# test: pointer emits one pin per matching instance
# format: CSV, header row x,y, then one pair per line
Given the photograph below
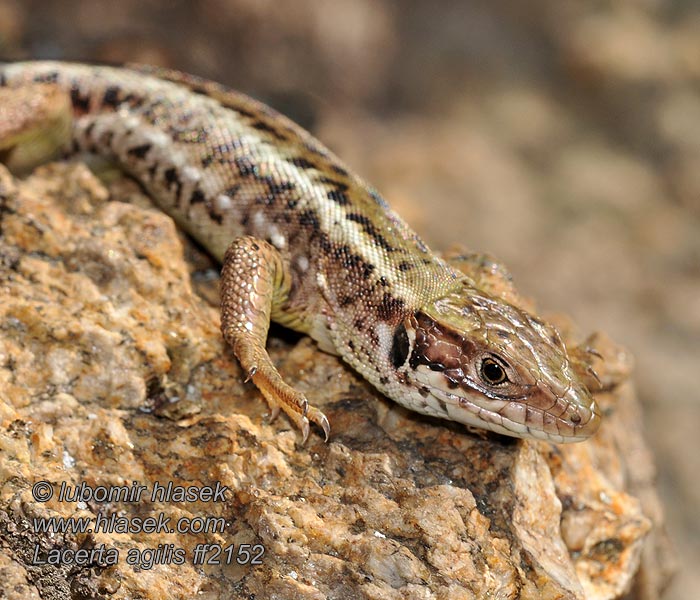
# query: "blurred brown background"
x,y
561,136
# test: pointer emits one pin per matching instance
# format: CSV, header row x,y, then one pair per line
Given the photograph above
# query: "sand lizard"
x,y
306,243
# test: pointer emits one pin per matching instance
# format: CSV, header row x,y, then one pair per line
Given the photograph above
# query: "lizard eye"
x,y
492,373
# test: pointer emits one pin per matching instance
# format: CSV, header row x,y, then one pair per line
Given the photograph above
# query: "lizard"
x,y
308,244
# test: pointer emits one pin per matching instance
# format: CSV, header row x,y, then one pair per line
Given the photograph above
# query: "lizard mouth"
x,y
556,429
541,415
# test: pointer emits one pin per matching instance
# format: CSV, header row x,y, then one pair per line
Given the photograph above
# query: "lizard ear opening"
x,y
400,346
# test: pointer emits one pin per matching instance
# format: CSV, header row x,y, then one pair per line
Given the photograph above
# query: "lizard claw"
x,y
251,372
326,426
305,429
321,420
594,352
274,412
591,371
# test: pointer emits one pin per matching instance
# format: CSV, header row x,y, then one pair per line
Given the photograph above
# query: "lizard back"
x,y
224,165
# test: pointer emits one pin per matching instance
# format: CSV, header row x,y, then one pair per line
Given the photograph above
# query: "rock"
x,y
113,373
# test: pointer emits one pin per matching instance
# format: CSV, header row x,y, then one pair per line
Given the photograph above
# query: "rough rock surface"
x,y
112,370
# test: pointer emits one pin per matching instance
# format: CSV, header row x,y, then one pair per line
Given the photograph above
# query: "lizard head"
x,y
483,362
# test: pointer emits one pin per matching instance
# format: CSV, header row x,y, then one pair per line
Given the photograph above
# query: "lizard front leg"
x,y
254,283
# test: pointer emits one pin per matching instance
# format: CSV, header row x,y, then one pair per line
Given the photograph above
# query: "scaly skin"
x,y
306,243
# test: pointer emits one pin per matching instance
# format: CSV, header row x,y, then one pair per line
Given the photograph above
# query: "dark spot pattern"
x,y
339,192
50,77
369,228
139,151
173,180
197,196
243,111
368,270
266,200
390,308
340,170
308,218
245,166
314,149
399,346
267,128
349,261
111,97
278,188
338,197
80,102
301,162
233,190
